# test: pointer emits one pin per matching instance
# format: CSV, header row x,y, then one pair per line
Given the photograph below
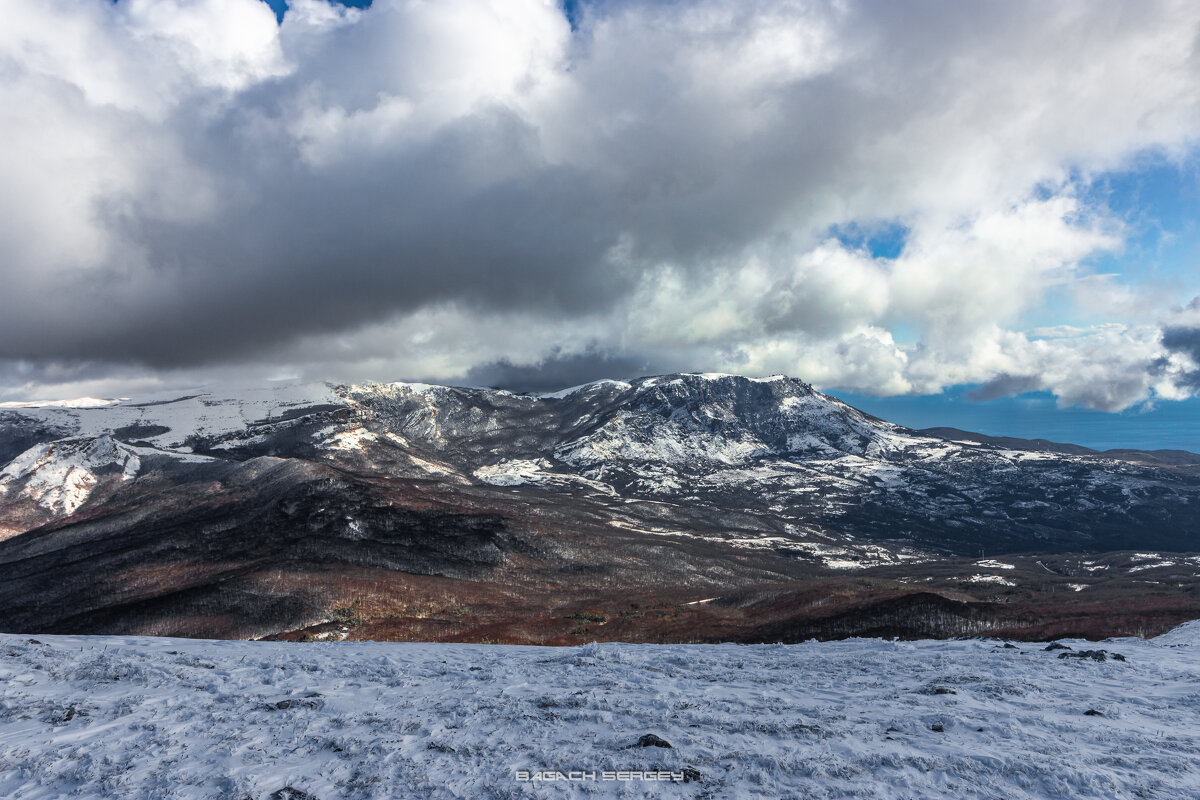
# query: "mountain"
x,y
414,510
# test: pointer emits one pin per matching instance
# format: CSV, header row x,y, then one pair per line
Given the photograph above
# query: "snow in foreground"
x,y
149,718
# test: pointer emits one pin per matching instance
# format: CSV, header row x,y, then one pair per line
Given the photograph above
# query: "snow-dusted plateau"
x,y
682,508
104,717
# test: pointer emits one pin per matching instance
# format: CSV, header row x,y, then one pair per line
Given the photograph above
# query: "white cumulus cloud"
x,y
192,189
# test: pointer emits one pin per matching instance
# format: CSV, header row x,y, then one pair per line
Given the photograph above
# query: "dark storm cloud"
x,y
1185,340
556,372
303,253
359,246
1004,385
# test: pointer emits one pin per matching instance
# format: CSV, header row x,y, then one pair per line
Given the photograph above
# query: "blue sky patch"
x,y
280,6
882,239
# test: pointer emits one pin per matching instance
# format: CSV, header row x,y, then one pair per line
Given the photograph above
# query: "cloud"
x,y
474,190
1005,385
555,372
1184,341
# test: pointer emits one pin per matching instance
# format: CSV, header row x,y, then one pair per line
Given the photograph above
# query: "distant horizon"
x,y
1168,426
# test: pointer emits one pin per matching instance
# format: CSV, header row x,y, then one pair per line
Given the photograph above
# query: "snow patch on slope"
x,y
633,437
513,473
354,440
990,579
60,476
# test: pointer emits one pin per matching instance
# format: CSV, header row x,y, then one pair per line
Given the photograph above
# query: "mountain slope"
x,y
777,448
255,512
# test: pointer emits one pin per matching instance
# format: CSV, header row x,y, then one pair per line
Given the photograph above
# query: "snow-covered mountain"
x,y
763,476
806,463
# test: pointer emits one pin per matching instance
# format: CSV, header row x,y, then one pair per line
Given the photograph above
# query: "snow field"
x,y
126,717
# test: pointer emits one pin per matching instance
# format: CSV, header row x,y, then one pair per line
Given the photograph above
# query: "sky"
x,y
958,208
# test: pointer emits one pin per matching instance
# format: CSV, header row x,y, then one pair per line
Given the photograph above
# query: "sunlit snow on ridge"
x,y
78,402
564,393
213,412
60,476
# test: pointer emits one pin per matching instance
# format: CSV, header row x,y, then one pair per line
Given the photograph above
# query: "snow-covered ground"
x,y
121,717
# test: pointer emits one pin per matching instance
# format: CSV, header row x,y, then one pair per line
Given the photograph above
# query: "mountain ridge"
x,y
733,481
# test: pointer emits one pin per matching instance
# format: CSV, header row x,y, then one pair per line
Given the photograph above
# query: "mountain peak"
x,y
61,475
